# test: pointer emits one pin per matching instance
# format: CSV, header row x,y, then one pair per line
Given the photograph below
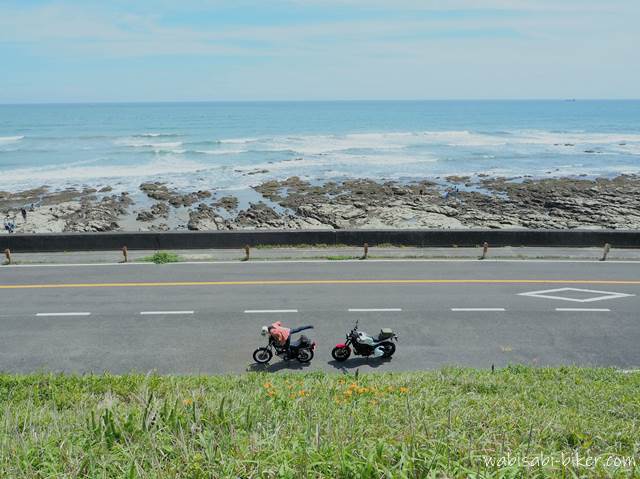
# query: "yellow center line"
x,y
314,282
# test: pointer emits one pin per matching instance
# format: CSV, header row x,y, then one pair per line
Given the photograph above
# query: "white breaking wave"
x,y
462,138
10,139
156,135
239,141
220,152
147,143
375,155
80,172
326,144
335,160
575,138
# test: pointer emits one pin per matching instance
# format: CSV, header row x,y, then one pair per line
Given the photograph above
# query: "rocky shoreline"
x,y
294,203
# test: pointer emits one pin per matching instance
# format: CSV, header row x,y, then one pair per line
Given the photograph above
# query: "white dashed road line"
x,y
477,309
351,310
594,310
148,313
370,310
260,311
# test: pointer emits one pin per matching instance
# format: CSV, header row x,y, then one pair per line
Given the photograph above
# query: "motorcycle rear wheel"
x,y
388,349
341,354
305,355
262,355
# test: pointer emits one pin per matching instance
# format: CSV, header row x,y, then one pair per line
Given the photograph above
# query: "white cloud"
x,y
452,5
75,30
570,51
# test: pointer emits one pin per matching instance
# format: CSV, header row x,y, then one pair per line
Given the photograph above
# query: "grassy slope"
x,y
433,424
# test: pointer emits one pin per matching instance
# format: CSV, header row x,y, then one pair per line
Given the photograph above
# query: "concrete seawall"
x,y
26,243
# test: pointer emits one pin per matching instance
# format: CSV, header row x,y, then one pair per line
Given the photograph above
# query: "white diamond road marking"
x,y
601,295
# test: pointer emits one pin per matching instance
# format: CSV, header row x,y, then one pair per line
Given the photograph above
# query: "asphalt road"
x,y
206,318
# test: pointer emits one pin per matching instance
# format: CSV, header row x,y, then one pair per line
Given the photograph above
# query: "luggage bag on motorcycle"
x,y
385,333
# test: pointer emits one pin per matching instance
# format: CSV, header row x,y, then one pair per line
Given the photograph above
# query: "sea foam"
x,y
207,156
10,139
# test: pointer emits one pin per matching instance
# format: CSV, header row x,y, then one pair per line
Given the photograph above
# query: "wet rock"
x,y
256,172
160,227
156,191
159,191
458,179
157,210
205,218
521,202
259,215
495,203
100,216
145,216
229,203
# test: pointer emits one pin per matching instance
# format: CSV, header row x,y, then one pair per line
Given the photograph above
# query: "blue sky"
x,y
166,50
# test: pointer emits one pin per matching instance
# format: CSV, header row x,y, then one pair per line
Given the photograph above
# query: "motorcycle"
x,y
301,349
365,345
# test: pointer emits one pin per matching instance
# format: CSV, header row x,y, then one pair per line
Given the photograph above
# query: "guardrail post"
x,y
485,250
366,251
247,253
125,253
7,253
605,252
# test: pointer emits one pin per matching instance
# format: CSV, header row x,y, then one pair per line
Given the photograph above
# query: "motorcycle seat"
x,y
300,342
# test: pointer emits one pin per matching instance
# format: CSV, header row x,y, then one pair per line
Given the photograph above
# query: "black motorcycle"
x,y
365,345
301,349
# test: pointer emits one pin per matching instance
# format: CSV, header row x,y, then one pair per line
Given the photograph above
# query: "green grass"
x,y
161,257
409,425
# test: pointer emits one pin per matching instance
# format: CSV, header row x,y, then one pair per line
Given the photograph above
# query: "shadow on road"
x,y
358,363
272,368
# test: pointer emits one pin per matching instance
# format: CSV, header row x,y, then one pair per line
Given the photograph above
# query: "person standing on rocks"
x,y
24,214
9,225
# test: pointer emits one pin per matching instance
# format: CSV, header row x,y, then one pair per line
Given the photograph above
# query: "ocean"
x,y
230,146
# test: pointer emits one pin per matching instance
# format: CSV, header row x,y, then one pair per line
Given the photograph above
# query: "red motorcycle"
x,y
380,346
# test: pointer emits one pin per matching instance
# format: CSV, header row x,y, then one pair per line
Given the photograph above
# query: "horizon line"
x,y
156,102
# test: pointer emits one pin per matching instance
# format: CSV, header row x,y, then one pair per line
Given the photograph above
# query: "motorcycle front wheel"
x,y
305,355
388,349
341,354
262,355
